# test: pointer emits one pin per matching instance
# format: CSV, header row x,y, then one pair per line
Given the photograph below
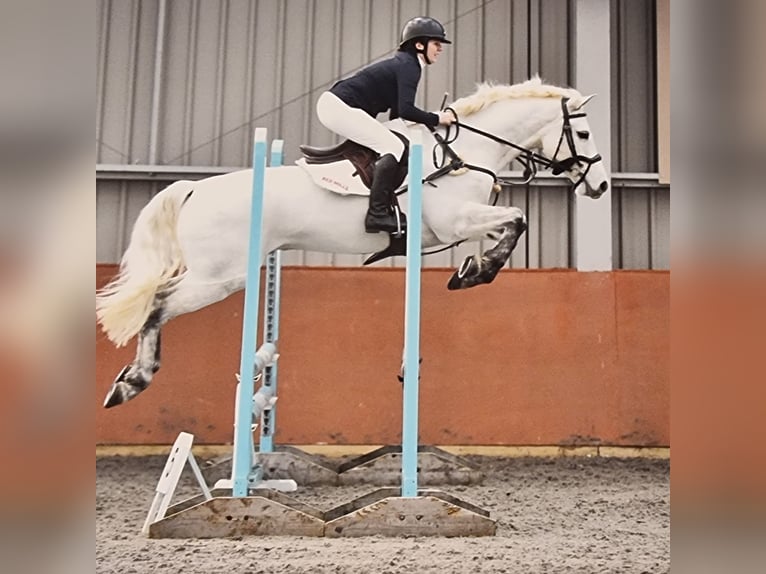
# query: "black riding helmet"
x,y
421,29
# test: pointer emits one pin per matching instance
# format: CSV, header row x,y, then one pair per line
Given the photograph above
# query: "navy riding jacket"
x,y
387,85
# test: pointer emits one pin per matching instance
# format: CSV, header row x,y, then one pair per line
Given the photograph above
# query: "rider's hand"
x,y
446,118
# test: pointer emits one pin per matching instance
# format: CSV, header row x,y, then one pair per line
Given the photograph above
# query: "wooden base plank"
x,y
264,513
431,513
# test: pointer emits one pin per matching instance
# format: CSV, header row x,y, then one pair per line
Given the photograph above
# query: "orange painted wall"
x,y
536,358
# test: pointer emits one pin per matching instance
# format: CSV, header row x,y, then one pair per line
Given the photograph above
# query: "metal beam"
x,y
593,218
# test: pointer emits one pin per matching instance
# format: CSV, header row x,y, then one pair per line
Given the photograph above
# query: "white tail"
x,y
153,261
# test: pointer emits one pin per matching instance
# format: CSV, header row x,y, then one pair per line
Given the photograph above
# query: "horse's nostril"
x,y
604,186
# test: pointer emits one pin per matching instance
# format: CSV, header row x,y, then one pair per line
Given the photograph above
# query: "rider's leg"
x,y
379,214
357,125
360,127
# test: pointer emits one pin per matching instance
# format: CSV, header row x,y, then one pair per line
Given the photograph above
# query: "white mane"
x,y
487,93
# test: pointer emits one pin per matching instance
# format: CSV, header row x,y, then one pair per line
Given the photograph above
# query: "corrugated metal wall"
x,y
641,213
192,94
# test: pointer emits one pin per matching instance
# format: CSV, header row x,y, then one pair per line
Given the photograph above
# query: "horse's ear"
x,y
577,103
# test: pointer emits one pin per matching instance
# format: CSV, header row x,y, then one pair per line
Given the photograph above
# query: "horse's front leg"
x,y
476,270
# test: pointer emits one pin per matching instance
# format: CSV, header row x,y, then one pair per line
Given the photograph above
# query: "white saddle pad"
x,y
337,176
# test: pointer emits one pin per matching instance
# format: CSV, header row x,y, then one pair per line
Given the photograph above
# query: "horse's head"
x,y
569,144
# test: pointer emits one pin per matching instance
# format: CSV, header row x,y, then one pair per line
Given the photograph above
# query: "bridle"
x,y
559,166
530,159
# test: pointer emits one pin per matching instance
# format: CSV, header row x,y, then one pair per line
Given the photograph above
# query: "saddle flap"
x,y
340,177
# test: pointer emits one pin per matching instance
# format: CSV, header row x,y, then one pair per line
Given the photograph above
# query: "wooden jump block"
x,y
383,467
262,513
385,513
288,462
285,462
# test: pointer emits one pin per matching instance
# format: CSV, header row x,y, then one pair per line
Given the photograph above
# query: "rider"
x,y
350,106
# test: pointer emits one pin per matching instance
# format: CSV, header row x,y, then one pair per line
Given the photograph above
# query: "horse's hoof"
x,y
116,395
467,269
122,391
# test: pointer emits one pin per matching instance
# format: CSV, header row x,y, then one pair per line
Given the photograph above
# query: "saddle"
x,y
361,157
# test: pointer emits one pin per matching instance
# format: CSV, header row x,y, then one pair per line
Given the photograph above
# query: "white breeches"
x,y
357,125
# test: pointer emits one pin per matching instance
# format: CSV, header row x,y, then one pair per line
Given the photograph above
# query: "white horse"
x,y
188,247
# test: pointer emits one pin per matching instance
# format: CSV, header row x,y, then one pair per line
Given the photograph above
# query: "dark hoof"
x,y
459,279
115,396
122,391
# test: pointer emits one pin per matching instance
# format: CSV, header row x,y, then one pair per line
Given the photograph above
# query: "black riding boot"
x,y
380,215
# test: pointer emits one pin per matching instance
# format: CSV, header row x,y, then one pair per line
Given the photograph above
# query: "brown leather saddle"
x,y
361,157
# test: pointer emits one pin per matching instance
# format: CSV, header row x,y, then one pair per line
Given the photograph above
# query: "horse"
x,y
188,247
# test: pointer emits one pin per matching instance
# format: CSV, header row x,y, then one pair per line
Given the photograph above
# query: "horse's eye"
x,y
584,135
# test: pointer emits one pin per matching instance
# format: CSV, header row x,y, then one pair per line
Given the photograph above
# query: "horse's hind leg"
x,y
187,296
478,270
136,376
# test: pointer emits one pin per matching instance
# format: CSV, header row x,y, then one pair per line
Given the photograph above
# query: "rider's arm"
x,y
407,83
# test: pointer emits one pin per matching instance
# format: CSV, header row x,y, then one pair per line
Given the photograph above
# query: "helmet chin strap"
x,y
424,53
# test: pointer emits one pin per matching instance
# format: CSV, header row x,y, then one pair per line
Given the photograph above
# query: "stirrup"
x,y
401,231
399,222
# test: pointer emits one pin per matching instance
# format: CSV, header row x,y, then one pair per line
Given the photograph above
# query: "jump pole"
x,y
412,319
243,433
247,472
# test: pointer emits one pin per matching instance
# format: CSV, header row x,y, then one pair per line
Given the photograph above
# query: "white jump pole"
x,y
412,319
242,459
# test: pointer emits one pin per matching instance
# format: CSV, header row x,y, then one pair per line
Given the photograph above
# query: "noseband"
x,y
559,166
529,159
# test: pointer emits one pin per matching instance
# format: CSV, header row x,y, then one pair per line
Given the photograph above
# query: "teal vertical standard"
x,y
412,319
243,433
271,322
